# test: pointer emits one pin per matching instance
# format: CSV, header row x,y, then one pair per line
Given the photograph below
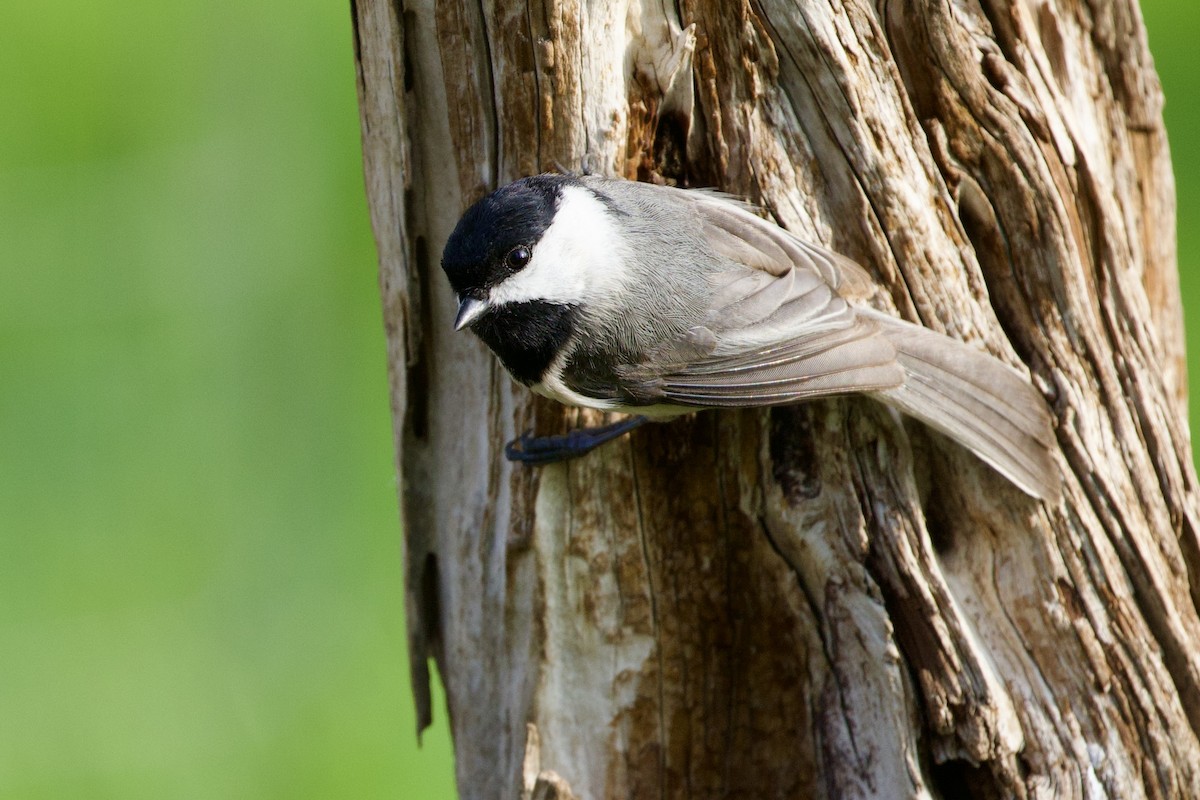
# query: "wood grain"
x,y
817,601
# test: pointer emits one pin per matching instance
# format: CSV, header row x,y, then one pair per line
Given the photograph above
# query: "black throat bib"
x,y
527,336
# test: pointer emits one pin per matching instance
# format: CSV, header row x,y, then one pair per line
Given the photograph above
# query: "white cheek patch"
x,y
579,256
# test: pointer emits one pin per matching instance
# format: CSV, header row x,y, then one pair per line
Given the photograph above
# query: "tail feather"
x,y
977,400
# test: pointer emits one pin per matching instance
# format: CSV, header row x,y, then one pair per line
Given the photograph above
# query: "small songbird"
x,y
655,301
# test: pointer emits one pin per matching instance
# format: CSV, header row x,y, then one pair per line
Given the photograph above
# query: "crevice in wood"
x,y
536,67
356,39
496,102
990,244
792,454
417,419
939,521
431,603
958,779
408,22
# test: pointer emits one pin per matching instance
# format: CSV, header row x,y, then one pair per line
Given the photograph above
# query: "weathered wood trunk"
x,y
818,601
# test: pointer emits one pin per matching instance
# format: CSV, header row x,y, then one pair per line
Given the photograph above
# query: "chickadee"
x,y
656,301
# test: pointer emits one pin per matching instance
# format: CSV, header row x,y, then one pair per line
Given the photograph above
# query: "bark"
x,y
816,601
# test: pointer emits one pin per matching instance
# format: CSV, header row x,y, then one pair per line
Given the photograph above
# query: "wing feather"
x,y
771,341
778,329
791,321
740,235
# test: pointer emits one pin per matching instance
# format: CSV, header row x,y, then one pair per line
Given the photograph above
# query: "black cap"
x,y
512,216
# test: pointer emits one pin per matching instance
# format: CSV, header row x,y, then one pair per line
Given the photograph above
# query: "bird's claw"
x,y
538,450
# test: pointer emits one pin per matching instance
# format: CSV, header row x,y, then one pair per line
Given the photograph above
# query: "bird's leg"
x,y
537,450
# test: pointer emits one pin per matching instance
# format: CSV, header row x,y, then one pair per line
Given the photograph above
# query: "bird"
x,y
658,301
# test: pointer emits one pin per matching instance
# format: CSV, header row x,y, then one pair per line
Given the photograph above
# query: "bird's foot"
x,y
538,450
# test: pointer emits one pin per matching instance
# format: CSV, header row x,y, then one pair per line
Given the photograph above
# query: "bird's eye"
x,y
518,257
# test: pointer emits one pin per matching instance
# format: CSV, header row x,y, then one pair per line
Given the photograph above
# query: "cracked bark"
x,y
817,601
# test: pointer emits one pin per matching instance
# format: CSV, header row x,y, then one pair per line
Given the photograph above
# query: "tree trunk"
x,y
822,600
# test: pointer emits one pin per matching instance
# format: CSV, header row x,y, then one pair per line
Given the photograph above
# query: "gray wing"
x,y
778,329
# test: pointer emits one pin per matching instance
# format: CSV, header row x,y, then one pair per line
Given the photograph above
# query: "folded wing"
x,y
781,329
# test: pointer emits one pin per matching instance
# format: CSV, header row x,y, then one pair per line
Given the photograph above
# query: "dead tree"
x,y
818,601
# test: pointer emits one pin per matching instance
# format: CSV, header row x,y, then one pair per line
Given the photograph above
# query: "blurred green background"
x,y
200,583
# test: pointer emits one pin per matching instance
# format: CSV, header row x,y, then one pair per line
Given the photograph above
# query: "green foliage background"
x,y
200,585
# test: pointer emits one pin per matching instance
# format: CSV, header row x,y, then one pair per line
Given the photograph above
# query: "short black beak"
x,y
468,311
